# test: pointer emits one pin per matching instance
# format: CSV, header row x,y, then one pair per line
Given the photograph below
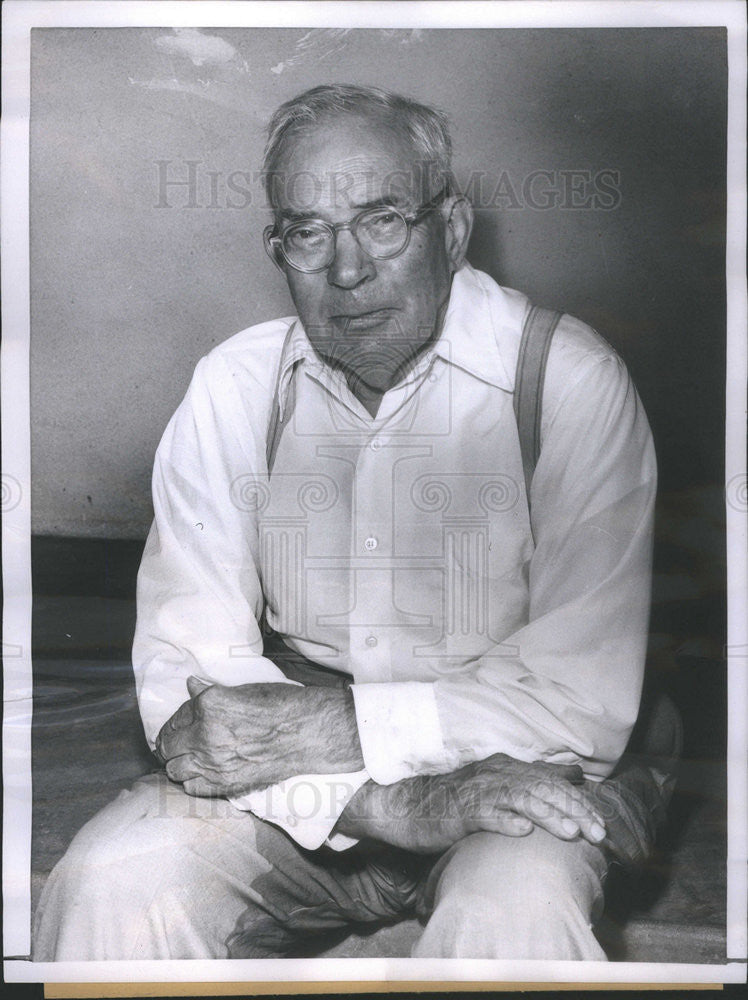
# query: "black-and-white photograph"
x,y
378,499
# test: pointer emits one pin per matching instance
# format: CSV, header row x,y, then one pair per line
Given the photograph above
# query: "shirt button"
x,y
371,640
370,544
376,444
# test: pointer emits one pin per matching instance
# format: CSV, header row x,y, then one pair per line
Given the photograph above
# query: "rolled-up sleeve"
x,y
565,687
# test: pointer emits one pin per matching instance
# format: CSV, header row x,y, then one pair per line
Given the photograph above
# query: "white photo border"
x,y
19,16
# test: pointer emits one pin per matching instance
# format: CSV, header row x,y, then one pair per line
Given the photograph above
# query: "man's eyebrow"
x,y
393,202
289,215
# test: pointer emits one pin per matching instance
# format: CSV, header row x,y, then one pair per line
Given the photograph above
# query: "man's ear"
x,y
273,250
459,225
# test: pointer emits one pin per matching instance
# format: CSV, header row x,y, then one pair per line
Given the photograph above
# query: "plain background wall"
x,y
131,285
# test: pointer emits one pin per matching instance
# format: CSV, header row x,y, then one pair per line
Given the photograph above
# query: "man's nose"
x,y
351,265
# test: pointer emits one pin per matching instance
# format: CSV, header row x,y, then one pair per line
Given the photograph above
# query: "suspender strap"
x,y
537,333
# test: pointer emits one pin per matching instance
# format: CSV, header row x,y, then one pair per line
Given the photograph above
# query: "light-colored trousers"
x,y
158,874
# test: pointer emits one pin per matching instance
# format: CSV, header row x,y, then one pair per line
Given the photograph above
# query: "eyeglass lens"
x,y
380,233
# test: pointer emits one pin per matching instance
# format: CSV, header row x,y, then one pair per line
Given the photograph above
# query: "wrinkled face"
x,y
368,316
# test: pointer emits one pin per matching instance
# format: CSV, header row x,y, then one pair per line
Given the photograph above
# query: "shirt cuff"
x,y
306,806
399,731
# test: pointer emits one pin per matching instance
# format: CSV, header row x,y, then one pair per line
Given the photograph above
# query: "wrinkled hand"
x,y
226,741
429,813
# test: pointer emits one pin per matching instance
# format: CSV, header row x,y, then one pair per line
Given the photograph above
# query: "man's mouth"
x,y
362,320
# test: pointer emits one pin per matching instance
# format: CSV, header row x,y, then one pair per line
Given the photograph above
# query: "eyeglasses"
x,y
381,233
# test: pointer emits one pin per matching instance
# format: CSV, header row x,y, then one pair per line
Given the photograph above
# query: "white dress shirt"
x,y
399,549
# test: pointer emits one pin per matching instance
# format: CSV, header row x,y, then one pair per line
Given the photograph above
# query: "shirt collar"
x,y
481,328
480,334
296,349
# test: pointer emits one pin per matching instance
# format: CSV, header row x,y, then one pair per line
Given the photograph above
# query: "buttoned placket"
x,y
374,615
371,563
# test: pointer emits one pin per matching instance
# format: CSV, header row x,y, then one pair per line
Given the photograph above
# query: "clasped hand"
x,y
219,742
227,741
428,813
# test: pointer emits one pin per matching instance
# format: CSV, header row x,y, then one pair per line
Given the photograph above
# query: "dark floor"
x,y
88,744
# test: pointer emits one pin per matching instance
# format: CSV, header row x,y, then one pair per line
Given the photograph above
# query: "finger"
x,y
176,733
571,804
195,686
592,829
572,773
182,768
200,787
546,817
566,822
176,744
509,823
567,799
167,737
541,810
183,717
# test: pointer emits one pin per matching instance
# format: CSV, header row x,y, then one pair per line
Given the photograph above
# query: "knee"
x,y
535,868
106,880
109,867
130,842
544,895
494,899
546,888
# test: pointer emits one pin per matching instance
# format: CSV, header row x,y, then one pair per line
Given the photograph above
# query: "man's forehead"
x,y
332,167
345,188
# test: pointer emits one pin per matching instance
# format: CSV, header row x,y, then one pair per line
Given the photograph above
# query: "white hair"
x,y
426,128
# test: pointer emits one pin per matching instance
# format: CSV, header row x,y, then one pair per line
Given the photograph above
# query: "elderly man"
x,y
388,668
